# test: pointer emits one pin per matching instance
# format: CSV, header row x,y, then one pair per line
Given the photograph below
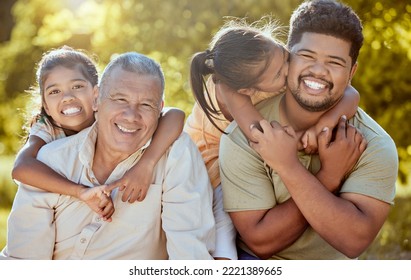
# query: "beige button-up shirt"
x,y
175,220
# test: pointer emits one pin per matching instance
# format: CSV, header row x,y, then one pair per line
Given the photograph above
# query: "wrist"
x,y
146,162
77,190
329,180
284,167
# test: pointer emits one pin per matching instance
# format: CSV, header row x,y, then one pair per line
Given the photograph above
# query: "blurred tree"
x,y
172,31
383,77
6,19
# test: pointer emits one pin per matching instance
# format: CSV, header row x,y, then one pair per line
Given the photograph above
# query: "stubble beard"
x,y
313,106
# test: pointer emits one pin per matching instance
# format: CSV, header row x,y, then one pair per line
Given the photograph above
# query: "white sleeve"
x,y
187,217
225,230
31,232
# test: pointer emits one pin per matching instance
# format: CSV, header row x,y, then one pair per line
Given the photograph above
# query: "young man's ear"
x,y
162,105
353,70
95,97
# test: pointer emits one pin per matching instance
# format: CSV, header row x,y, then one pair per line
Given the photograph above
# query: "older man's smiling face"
x,y
128,112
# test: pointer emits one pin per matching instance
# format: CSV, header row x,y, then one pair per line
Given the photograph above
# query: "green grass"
x,y
3,226
7,187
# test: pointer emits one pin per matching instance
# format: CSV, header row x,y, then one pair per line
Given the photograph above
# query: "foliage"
x,y
173,31
383,77
3,226
393,241
8,187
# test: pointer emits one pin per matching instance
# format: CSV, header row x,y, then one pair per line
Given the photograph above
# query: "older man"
x,y
175,221
277,198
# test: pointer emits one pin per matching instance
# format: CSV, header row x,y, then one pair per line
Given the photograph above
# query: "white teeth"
x,y
123,129
313,85
70,111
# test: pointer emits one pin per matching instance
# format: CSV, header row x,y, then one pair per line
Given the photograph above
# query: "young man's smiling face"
x,y
320,69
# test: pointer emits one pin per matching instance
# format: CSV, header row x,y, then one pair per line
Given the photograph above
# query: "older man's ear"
x,y
95,98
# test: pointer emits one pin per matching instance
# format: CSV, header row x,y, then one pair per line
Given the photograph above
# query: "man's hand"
x,y
338,156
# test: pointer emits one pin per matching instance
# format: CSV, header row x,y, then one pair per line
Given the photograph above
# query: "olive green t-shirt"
x,y
249,184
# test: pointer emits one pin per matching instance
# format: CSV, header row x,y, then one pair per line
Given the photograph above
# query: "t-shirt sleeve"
x,y
244,179
42,130
376,172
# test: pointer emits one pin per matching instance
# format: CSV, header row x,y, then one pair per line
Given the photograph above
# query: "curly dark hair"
x,y
330,18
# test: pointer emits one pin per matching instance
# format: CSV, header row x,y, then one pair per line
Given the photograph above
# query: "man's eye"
x,y
78,86
306,56
336,63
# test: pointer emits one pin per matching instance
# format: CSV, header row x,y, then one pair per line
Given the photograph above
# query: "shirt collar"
x,y
88,147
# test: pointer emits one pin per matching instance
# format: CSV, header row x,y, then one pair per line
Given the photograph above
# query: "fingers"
x,y
108,211
353,133
304,140
109,188
290,131
106,207
127,193
363,145
142,195
117,184
360,140
135,194
342,128
257,130
324,139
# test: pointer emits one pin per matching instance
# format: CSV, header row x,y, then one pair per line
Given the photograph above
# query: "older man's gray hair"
x,y
132,62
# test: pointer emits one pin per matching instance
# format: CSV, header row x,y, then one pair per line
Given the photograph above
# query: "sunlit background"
x,y
171,32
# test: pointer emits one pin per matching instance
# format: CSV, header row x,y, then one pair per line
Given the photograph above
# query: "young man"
x,y
289,205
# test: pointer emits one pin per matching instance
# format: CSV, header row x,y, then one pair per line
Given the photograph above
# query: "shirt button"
x,y
98,219
83,240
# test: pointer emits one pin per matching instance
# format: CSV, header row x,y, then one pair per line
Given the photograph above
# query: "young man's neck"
x,y
292,114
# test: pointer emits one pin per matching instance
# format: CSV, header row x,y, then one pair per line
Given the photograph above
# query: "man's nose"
x,y
131,113
319,68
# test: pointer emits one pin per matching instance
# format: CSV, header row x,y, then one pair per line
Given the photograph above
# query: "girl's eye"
x,y
55,91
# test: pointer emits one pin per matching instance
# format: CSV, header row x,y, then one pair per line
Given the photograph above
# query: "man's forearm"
x,y
267,233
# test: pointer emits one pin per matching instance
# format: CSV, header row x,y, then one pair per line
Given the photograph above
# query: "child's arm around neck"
x,y
30,171
240,108
138,179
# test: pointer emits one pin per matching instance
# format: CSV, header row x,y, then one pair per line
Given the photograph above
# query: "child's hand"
x,y
135,183
98,200
309,142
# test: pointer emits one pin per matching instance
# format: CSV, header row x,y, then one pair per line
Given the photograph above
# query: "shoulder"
x,y
182,143
268,108
375,135
60,148
375,173
44,129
